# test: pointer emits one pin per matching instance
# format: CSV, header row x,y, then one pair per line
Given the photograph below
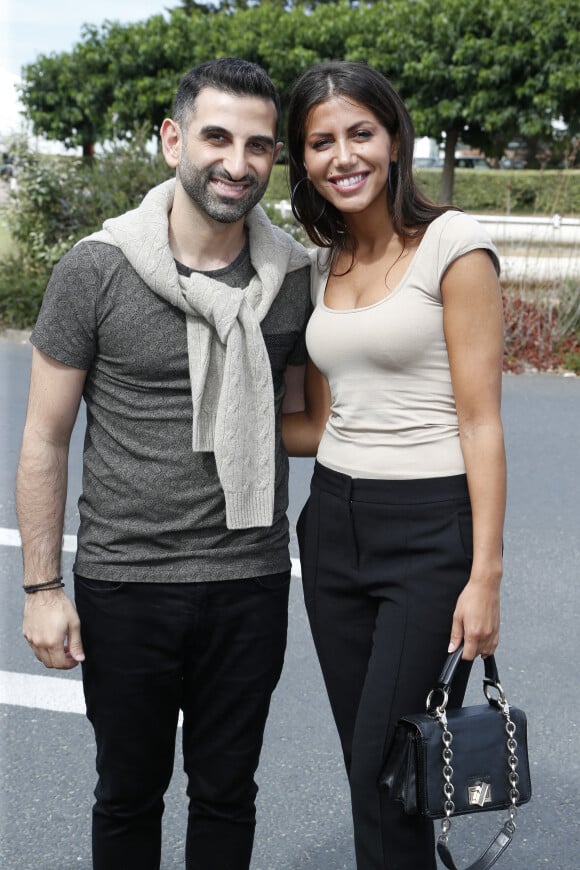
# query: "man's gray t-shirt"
x,y
151,509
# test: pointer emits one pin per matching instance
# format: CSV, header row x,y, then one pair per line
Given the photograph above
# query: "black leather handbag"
x,y
445,763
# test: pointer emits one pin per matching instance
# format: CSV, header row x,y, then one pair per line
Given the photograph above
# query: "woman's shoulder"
x,y
455,224
454,233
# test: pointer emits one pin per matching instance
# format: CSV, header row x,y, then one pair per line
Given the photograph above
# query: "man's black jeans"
x,y
214,650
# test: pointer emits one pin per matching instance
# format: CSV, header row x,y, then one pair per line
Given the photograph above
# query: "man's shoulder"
x,y
96,248
89,251
89,274
91,260
299,257
269,241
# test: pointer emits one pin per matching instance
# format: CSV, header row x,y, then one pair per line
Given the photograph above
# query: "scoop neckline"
x,y
394,292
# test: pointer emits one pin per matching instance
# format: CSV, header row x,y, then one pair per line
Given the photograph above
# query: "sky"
x,y
32,27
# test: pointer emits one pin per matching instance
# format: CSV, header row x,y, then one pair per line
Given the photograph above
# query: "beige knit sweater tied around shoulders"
x,y
231,379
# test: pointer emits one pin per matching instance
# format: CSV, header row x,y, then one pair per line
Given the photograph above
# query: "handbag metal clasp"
x,y
437,710
489,687
479,794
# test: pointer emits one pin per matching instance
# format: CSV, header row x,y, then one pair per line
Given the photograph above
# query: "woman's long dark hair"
x,y
411,212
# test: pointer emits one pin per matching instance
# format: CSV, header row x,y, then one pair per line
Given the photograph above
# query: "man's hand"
x,y
52,628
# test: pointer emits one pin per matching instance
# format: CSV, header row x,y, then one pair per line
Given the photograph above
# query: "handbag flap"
x,y
480,759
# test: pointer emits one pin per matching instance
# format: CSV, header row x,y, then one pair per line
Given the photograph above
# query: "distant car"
x,y
512,163
471,163
427,162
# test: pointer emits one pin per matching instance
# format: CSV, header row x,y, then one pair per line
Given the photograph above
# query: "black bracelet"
x,y
56,583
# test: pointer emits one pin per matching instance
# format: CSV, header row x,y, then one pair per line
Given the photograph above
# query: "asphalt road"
x,y
47,757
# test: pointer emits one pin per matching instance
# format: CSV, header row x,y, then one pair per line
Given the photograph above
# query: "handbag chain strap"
x,y
500,843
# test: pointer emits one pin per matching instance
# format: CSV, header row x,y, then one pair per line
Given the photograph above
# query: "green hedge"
x,y
500,191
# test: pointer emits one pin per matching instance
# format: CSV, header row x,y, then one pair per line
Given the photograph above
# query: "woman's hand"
x,y
476,619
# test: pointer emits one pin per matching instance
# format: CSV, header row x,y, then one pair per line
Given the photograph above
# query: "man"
x,y
179,324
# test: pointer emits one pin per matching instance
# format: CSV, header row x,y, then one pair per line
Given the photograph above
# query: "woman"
x,y
401,539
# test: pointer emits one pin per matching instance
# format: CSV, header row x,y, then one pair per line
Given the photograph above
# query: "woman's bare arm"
x,y
473,325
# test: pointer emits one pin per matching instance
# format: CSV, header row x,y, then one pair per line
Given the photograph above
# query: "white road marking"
x,y
51,693
35,691
11,538
41,693
44,693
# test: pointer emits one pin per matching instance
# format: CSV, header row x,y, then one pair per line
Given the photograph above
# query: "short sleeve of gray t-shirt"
x,y
151,509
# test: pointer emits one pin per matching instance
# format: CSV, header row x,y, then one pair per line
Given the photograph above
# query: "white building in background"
x,y
426,147
426,153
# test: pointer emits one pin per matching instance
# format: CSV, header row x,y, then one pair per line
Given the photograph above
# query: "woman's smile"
x,y
349,182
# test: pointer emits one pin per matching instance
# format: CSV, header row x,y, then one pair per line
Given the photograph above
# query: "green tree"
x,y
480,72
117,77
287,44
67,96
143,62
483,72
190,6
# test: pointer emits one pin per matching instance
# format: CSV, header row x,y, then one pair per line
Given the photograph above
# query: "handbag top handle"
x,y
452,663
443,684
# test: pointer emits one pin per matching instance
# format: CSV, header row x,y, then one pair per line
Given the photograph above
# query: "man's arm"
x,y
51,625
294,396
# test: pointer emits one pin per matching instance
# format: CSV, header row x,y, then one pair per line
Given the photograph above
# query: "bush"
x,y
542,327
22,284
502,191
58,201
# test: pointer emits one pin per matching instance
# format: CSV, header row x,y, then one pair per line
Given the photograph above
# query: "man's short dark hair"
x,y
229,74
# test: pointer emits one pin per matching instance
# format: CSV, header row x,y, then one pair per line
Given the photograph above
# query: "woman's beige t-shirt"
x,y
393,411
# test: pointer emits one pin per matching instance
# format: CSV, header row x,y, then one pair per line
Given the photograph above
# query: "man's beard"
x,y
197,184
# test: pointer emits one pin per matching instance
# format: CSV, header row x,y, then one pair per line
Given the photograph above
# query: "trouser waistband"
x,y
404,492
